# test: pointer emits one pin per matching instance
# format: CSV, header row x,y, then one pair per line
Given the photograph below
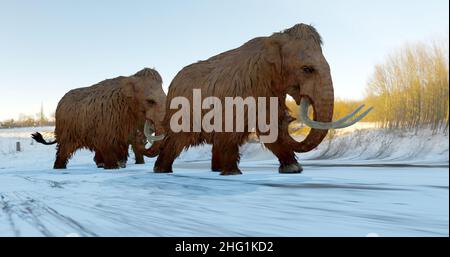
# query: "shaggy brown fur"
x,y
103,117
263,67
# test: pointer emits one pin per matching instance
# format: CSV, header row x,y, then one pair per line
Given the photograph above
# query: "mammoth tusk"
x,y
339,124
344,119
148,131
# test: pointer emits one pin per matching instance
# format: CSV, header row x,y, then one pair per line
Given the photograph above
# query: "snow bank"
x,y
385,145
359,145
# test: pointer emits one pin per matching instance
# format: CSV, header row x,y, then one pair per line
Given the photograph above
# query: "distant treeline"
x,y
37,120
410,90
25,123
29,121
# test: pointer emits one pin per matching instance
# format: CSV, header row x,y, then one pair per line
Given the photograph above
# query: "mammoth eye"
x,y
308,69
150,102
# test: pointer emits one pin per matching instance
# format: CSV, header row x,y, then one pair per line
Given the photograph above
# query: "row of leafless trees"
x,y
411,89
25,121
29,120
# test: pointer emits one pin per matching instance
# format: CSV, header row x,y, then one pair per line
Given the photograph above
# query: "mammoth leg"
x,y
63,153
229,158
137,141
123,156
123,162
286,157
172,148
111,157
111,162
216,164
138,153
282,150
98,158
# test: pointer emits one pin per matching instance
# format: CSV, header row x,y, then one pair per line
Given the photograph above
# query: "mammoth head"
x,y
305,75
144,90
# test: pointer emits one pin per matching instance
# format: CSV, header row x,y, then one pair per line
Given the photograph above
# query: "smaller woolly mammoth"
x,y
109,116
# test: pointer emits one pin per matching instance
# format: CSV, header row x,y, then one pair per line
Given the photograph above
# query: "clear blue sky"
x,y
50,47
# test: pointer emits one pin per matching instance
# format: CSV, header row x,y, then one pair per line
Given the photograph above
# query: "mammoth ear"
x,y
129,89
273,46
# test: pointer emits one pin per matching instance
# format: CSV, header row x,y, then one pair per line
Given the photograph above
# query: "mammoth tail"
x,y
38,137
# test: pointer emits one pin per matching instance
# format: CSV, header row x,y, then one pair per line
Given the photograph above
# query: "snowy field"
x,y
363,183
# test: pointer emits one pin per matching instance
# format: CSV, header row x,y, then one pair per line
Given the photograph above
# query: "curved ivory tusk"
x,y
344,119
148,131
339,124
353,122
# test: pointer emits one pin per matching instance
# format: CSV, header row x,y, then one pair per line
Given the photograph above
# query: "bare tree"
x,y
410,90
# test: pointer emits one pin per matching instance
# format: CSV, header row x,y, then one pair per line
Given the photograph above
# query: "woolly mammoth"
x,y
286,63
109,116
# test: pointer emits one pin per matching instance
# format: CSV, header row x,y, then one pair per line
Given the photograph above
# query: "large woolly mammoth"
x,y
109,116
286,63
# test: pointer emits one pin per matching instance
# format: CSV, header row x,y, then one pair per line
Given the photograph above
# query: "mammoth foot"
x,y
294,168
122,165
140,162
215,169
100,165
60,165
111,167
231,173
216,166
161,170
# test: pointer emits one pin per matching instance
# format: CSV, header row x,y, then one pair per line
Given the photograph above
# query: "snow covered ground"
x,y
366,182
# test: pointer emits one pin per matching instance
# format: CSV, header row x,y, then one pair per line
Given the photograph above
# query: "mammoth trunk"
x,y
323,105
154,140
